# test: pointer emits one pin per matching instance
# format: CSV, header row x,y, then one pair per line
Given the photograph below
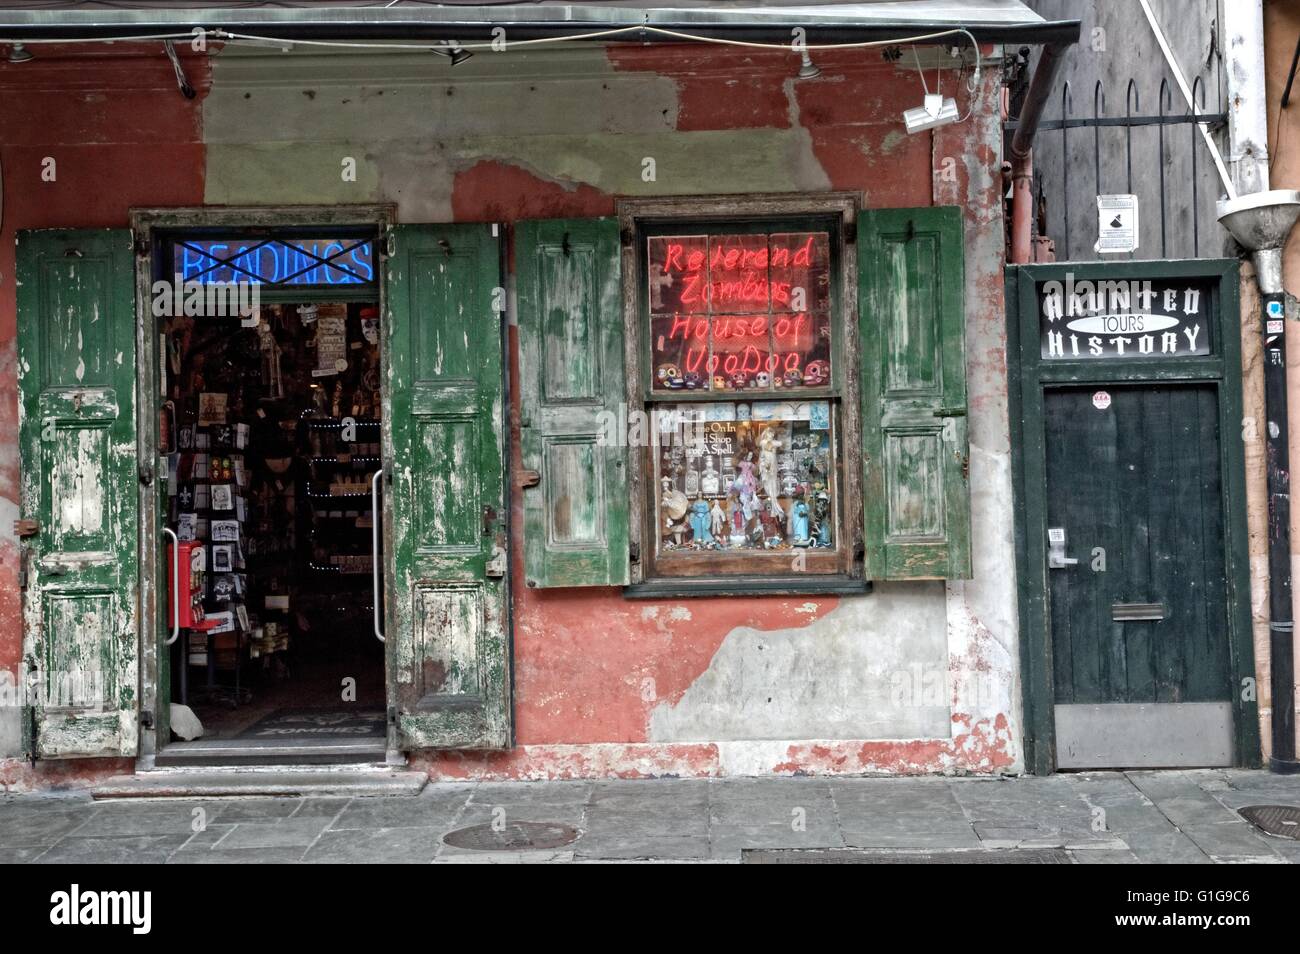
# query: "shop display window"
x,y
742,384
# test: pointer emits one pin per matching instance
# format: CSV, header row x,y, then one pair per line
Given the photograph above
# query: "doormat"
x,y
317,725
1280,820
516,836
862,856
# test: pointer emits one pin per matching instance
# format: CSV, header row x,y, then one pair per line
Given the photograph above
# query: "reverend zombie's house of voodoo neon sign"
x,y
732,312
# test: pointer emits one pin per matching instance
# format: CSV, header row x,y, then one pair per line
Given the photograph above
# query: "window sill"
x,y
748,586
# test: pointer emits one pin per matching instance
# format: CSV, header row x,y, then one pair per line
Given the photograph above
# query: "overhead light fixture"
x,y
937,109
809,69
453,51
19,54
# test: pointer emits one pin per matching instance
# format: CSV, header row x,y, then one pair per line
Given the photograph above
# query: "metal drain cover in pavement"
x,y
860,856
1280,820
514,836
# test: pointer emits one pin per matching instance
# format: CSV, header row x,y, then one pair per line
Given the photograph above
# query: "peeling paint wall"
x,y
912,678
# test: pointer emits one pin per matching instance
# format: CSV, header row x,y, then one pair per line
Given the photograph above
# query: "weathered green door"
x,y
1140,641
76,371
446,595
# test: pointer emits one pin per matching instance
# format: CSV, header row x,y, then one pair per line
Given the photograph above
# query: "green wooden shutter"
x,y
447,636
77,440
571,365
916,490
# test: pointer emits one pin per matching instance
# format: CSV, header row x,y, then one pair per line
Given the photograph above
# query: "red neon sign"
x,y
722,307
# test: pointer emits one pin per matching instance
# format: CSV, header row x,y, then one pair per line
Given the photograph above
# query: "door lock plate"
x,y
1056,558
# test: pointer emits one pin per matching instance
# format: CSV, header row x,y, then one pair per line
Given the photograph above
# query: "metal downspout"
x,y
1022,153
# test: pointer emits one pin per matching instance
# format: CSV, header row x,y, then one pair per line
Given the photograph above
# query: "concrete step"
x,y
351,781
232,752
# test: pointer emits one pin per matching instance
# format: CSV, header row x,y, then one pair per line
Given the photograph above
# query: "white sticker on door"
x,y
1101,400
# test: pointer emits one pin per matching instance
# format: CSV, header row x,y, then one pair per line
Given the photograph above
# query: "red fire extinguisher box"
x,y
189,583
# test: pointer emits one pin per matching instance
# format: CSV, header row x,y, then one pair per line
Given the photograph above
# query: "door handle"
x,y
176,585
374,546
1056,558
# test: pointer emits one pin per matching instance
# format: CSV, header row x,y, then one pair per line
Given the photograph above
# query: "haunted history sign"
x,y
1124,319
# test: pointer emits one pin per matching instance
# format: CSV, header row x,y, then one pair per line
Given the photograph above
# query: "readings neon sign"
x,y
323,261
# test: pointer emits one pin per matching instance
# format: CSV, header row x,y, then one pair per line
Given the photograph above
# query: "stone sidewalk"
x,y
1097,818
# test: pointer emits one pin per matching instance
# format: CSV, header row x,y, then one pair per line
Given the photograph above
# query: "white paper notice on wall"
x,y
1117,223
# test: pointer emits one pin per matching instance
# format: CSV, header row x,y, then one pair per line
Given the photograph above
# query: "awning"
x,y
994,21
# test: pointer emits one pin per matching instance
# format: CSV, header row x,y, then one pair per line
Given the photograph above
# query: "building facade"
x,y
606,409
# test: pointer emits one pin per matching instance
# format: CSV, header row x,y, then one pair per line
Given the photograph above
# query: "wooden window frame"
x,y
837,572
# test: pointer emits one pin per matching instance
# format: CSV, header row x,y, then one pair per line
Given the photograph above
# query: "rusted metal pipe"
x,y
1022,156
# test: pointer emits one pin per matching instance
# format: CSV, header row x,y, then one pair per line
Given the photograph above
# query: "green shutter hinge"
x,y
950,412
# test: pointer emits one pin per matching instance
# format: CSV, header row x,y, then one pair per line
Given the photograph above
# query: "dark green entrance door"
x,y
1140,636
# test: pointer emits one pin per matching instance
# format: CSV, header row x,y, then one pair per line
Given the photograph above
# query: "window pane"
x,y
738,274
678,276
742,353
801,271
745,477
802,349
679,352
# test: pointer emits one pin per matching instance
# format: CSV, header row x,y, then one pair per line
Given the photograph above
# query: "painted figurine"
x,y
674,505
717,521
799,524
700,521
737,525
710,479
822,513
768,446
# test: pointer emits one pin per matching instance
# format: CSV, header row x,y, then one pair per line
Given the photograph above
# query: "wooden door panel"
x,y
448,637
76,339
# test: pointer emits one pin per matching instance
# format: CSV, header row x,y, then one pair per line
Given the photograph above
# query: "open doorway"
x,y
271,425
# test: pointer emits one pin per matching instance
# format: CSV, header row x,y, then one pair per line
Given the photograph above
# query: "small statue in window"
x,y
769,445
717,521
799,524
700,532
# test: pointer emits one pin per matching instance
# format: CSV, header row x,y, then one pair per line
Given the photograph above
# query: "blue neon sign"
x,y
317,261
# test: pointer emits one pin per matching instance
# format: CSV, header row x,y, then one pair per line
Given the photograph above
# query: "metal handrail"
x,y
374,538
176,585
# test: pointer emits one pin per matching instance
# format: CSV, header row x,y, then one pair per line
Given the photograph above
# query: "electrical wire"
x,y
219,34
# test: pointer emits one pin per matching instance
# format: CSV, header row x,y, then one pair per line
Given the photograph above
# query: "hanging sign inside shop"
x,y
1100,319
314,261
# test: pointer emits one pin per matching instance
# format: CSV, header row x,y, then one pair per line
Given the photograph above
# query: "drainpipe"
x,y
1260,220
1022,154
